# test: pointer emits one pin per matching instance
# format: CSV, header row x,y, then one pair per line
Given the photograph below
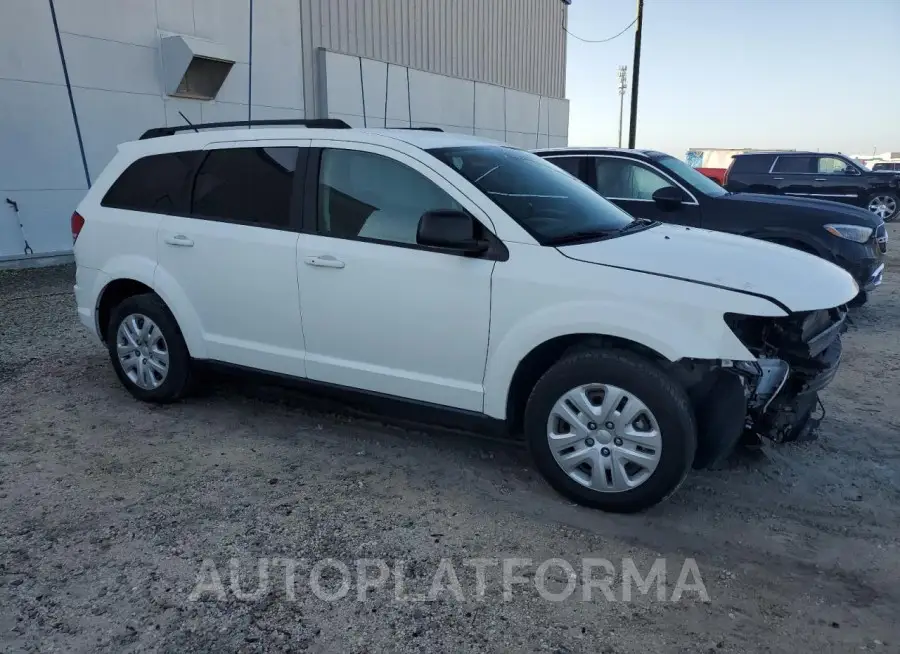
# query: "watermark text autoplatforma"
x,y
554,579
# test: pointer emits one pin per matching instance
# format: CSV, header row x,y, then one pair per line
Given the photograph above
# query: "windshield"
x,y
861,164
552,205
692,176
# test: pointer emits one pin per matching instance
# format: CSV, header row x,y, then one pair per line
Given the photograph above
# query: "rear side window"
x,y
246,185
795,164
753,163
156,184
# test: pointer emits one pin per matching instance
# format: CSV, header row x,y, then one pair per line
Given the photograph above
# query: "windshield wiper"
x,y
582,235
639,223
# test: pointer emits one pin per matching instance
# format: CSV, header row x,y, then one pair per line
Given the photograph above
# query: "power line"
x,y
574,36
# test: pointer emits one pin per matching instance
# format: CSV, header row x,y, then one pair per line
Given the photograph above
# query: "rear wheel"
x,y
147,350
611,430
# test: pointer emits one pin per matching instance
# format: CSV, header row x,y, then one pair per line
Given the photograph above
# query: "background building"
x,y
77,77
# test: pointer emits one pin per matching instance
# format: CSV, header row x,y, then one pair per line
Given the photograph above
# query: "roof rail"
x,y
421,129
321,123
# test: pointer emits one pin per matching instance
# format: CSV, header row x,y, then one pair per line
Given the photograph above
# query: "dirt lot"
x,y
108,509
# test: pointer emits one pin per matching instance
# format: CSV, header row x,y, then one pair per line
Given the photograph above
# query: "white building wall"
x,y
368,93
472,48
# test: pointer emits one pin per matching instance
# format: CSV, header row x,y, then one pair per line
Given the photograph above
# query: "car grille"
x,y
881,238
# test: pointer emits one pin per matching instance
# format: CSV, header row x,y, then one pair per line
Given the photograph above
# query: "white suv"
x,y
459,275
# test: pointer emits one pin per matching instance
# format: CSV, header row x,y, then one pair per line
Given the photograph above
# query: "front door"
x,y
234,257
631,184
837,180
381,313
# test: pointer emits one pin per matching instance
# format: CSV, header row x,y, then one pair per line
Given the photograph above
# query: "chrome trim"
x,y
825,195
638,161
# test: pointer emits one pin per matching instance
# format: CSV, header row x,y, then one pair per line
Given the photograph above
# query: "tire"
x,y
175,383
890,197
637,377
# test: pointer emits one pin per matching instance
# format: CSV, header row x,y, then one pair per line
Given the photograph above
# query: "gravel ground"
x,y
110,509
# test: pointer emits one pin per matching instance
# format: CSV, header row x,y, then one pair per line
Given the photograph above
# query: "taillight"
x,y
77,224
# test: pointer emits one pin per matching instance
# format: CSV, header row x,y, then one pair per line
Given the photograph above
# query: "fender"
x,y
146,271
188,321
693,333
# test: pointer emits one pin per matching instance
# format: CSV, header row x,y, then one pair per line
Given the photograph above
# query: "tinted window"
x,y
549,203
571,165
794,165
754,163
247,185
369,196
157,184
626,180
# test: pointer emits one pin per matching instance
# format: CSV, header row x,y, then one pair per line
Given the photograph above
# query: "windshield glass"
x,y
692,176
861,164
548,202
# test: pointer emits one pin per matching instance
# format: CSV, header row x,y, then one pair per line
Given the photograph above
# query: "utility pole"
x,y
623,84
636,68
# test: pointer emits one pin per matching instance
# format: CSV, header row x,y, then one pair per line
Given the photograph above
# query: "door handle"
x,y
324,261
778,179
820,179
180,240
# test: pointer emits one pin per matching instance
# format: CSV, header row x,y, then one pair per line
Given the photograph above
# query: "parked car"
x,y
833,177
657,186
471,282
715,174
886,166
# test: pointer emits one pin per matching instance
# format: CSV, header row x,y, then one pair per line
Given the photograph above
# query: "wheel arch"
x,y
534,364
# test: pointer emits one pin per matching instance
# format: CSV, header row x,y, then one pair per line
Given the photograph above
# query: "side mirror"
x,y
668,198
450,230
850,170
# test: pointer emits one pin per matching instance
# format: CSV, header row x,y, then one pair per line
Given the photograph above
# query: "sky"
x,y
793,74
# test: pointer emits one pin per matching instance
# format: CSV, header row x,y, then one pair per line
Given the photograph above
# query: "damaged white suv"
x,y
452,274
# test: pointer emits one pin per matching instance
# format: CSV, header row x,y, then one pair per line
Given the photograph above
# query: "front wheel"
x,y
885,205
611,430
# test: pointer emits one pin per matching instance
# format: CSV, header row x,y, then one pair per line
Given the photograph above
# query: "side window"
x,y
626,180
246,185
832,166
369,196
794,164
158,183
571,165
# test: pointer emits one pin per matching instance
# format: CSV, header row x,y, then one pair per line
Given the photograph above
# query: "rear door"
x,y
233,254
794,174
631,184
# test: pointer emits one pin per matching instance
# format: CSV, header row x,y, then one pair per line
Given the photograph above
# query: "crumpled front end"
x,y
797,356
774,397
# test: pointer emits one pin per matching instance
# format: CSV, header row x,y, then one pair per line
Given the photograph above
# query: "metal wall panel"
x,y
518,44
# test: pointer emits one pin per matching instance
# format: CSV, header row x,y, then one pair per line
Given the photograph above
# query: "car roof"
x,y
419,138
652,154
784,153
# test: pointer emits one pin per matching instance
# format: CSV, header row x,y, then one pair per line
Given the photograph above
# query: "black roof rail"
x,y
321,123
421,129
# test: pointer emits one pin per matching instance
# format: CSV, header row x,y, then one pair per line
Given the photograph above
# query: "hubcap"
x,y
883,206
621,454
142,351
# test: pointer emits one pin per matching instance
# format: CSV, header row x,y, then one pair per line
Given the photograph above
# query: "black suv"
x,y
654,185
832,177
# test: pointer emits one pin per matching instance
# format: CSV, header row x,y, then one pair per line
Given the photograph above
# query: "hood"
x,y
797,280
829,210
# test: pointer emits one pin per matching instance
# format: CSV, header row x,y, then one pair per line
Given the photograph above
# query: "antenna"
x,y
181,113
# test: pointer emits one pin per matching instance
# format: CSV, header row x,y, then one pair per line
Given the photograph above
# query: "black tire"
x,y
177,380
663,396
896,199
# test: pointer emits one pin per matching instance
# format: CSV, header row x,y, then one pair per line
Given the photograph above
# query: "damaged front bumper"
x,y
776,396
